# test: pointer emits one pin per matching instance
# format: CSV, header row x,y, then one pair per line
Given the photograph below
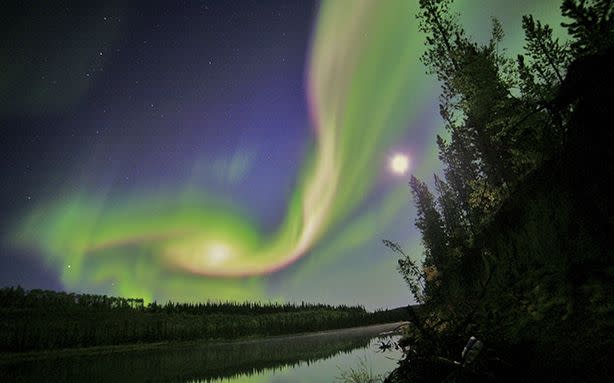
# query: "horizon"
x,y
218,302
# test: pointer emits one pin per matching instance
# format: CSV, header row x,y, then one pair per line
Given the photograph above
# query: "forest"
x,y
37,320
517,233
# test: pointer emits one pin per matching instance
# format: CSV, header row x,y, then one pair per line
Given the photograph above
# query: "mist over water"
x,y
316,357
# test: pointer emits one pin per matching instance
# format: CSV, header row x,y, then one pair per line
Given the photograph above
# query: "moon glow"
x,y
399,164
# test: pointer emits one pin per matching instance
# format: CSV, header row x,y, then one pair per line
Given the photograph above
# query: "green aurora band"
x,y
185,244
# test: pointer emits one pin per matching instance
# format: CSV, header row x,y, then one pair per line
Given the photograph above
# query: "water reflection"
x,y
309,358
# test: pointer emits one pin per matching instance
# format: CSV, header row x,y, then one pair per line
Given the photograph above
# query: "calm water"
x,y
307,358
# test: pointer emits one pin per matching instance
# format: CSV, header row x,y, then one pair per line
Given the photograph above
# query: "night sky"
x,y
218,149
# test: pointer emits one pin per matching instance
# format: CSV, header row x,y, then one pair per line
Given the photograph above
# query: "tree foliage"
x,y
591,26
517,215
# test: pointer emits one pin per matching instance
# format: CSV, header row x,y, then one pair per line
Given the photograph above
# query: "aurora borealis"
x,y
223,151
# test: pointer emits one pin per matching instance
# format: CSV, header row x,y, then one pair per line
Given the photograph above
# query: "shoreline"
x,y
13,357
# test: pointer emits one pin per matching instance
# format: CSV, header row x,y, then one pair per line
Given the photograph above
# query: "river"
x,y
314,357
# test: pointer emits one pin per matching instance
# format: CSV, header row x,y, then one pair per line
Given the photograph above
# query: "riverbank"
x,y
12,357
310,357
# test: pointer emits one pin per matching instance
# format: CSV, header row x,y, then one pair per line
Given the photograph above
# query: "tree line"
x,y
44,320
20,298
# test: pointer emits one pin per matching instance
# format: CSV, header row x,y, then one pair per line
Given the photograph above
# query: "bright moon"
x,y
399,164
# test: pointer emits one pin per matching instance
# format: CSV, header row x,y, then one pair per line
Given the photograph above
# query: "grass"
x,y
359,374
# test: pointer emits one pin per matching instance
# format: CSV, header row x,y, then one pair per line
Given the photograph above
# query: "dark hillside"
x,y
527,266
